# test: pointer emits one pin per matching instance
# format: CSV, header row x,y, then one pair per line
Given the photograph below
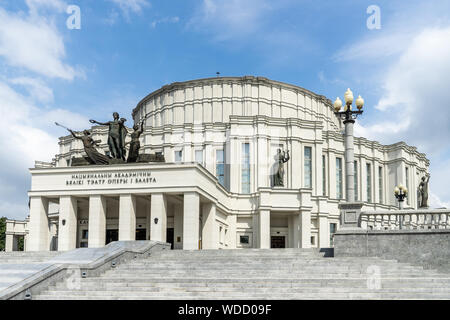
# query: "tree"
x,y
2,233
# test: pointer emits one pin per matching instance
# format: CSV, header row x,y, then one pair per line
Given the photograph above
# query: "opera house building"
x,y
221,163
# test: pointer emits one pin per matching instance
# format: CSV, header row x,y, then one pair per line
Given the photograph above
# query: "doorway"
x,y
170,237
141,234
277,242
112,235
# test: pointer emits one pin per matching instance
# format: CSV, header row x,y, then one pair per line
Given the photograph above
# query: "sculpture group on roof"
x,y
117,133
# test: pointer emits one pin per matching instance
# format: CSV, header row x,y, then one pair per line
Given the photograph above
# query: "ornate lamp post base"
x,y
350,215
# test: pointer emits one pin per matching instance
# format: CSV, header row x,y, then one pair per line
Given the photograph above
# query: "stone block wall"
x,y
429,248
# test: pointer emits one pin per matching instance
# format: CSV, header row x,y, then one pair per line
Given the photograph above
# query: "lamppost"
x,y
400,193
348,116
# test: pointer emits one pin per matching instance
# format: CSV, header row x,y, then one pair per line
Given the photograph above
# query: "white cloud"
x,y
436,202
134,6
35,5
33,43
24,138
230,19
30,45
406,64
165,20
37,89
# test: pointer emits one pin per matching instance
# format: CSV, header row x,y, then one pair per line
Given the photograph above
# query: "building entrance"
x,y
170,237
112,235
277,242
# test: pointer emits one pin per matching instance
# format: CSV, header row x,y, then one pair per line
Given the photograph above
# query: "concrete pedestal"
x,y
158,217
127,217
67,238
191,223
210,235
97,221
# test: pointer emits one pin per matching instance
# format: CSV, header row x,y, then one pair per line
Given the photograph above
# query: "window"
x,y
333,227
245,168
220,167
313,240
308,167
199,156
339,178
369,182
324,176
355,171
244,239
407,182
380,184
179,156
84,234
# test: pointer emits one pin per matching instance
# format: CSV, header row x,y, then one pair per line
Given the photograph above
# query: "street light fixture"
x,y
400,192
348,116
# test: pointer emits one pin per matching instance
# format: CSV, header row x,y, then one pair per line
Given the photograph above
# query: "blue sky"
x,y
127,49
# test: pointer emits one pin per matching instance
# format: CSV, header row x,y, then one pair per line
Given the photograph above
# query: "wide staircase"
x,y
256,274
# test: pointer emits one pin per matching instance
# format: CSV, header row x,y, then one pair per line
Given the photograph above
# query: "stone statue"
x,y
89,144
423,191
281,157
135,145
116,136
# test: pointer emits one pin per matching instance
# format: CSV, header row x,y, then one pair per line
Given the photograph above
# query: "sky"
x,y
58,65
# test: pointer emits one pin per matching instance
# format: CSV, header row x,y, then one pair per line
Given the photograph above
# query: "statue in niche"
x,y
282,157
423,191
89,144
135,145
116,136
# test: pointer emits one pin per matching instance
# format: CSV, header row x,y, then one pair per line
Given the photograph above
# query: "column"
x,y
232,222
127,217
97,221
9,241
317,170
210,235
178,227
297,231
255,229
262,165
297,169
324,233
39,231
305,227
191,222
67,238
158,217
349,161
264,229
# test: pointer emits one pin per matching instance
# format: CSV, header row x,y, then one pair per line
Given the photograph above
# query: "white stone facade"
x,y
195,124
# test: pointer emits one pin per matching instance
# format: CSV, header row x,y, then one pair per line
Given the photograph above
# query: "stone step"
x,y
260,261
258,281
303,289
279,267
167,272
242,295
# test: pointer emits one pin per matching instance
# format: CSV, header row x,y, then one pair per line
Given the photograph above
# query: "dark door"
x,y
277,242
141,234
169,237
112,235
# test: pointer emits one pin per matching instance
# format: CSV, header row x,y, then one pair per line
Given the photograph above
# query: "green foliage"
x,y
20,243
2,233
